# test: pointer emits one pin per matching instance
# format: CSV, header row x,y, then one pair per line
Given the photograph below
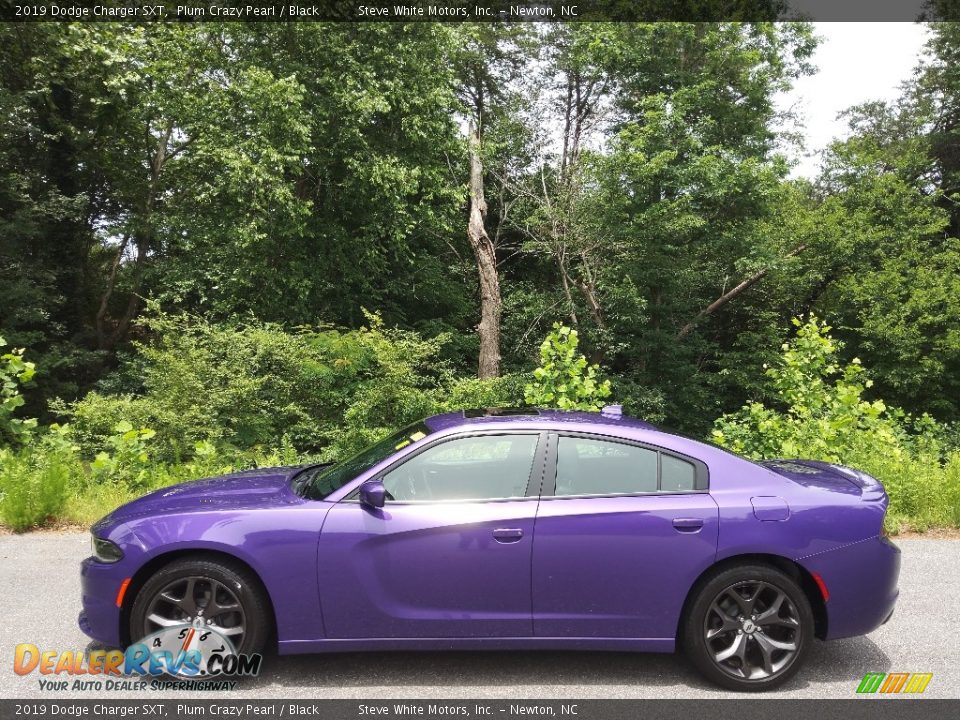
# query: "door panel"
x,y
617,566
449,553
427,570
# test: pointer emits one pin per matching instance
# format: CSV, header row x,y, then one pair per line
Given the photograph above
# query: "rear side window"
x,y
586,466
676,474
593,466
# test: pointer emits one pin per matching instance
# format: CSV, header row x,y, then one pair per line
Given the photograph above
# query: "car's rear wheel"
x,y
204,592
749,628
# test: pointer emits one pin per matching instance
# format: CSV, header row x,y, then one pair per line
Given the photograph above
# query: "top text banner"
x,y
478,10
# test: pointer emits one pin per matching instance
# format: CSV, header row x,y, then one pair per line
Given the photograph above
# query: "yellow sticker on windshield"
x,y
418,436
402,445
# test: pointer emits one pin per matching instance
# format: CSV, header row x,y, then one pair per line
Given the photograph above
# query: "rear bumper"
x,y
862,580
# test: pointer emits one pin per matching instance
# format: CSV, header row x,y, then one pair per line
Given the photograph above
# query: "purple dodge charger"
x,y
510,529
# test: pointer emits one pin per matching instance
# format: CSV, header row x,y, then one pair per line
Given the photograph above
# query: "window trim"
x,y
535,479
701,477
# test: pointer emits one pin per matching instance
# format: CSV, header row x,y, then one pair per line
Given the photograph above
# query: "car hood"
x,y
261,488
827,476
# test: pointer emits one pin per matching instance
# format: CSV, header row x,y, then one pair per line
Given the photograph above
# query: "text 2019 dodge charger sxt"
x,y
510,529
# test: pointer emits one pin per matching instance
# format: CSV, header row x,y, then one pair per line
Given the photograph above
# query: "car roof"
x,y
534,417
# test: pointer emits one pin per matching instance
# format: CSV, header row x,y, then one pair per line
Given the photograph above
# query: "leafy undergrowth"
x,y
215,399
820,412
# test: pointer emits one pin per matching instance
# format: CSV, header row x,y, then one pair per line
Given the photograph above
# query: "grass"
x,y
93,502
924,492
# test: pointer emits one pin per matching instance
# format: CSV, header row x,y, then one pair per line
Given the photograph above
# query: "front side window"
x,y
586,466
319,482
482,467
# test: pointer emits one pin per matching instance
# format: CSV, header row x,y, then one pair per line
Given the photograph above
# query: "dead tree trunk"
x,y
486,257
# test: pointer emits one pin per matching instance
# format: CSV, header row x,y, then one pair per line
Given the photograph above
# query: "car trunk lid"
x,y
828,476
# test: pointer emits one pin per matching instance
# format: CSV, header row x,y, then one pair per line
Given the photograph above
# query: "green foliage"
x,y
247,385
565,379
128,458
822,414
34,485
924,491
252,387
217,398
894,256
14,372
470,392
262,184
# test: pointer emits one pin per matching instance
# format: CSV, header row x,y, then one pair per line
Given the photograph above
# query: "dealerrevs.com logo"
x,y
890,683
179,657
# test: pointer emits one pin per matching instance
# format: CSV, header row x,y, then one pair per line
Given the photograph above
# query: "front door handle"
x,y
688,525
507,535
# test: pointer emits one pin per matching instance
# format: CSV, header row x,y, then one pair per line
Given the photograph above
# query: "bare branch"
x,y
731,294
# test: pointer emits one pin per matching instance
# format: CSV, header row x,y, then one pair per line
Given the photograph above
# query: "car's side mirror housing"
x,y
373,494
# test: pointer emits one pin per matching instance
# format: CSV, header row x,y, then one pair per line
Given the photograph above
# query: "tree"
x,y
374,182
893,265
824,413
937,93
488,61
202,167
685,190
226,170
54,127
560,218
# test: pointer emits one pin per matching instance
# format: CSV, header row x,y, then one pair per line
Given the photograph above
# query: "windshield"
x,y
327,479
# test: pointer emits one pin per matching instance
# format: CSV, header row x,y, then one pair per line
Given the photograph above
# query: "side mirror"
x,y
373,494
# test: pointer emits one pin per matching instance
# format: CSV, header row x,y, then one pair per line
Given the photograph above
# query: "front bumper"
x,y
99,585
862,579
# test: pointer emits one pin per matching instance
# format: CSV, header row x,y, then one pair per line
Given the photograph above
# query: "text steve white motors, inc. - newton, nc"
x,y
442,11
440,709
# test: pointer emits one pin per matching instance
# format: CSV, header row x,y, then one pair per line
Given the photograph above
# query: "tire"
x,y
752,644
245,606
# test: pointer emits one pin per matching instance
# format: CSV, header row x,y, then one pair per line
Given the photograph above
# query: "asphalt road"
x,y
39,584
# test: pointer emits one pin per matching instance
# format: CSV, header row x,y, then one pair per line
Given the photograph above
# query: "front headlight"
x,y
104,550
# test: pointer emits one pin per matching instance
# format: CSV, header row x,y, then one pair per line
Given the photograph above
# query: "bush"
x,y
35,484
212,399
564,379
14,372
824,416
245,386
220,398
461,393
823,413
924,493
248,388
129,458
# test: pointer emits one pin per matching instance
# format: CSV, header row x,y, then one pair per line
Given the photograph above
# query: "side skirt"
x,y
293,647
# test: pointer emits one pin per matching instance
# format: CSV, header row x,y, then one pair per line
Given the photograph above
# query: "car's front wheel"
x,y
749,628
204,592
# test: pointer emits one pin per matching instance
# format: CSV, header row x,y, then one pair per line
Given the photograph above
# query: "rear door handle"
x,y
688,525
507,535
